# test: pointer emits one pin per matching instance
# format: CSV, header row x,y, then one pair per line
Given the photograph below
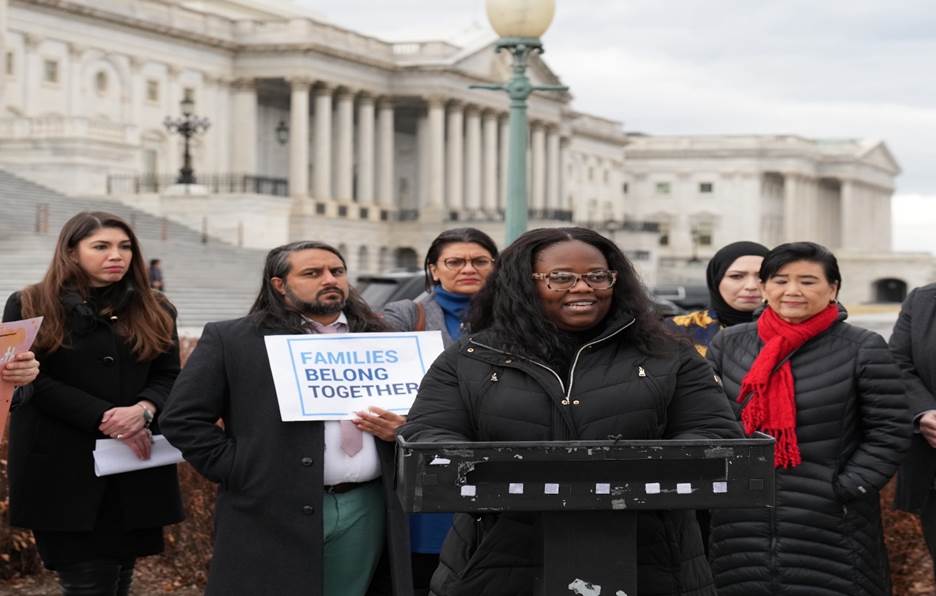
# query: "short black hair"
x,y
447,237
790,252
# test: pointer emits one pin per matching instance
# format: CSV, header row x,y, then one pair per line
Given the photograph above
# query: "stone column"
x,y
454,187
553,170
244,149
791,207
321,186
538,185
299,137
489,166
365,150
344,146
851,217
565,201
504,162
72,73
3,37
473,160
32,73
247,121
385,143
436,157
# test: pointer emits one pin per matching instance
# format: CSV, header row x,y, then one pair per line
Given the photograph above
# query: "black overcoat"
x,y
268,535
824,535
476,391
913,344
53,430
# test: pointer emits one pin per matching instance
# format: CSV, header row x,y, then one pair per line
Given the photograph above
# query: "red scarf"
x,y
772,407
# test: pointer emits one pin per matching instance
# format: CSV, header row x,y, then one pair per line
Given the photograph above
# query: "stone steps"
x,y
206,282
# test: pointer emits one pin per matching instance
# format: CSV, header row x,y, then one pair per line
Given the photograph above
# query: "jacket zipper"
x,y
568,393
565,402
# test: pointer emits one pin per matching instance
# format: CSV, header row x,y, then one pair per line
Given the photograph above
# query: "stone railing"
x,y
64,127
211,183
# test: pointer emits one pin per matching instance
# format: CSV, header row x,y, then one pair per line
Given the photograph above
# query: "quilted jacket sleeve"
x,y
699,409
440,412
884,420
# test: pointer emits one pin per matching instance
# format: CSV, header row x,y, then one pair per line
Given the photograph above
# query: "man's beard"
x,y
316,307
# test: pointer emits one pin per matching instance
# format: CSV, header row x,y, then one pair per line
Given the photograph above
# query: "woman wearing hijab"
x,y
734,294
833,398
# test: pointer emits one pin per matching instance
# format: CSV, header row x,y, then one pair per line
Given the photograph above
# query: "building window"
x,y
591,174
624,188
706,187
152,90
50,71
189,94
663,188
664,235
10,64
100,82
607,176
702,234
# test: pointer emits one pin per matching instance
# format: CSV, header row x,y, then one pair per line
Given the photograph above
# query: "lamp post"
x,y
520,24
188,126
282,132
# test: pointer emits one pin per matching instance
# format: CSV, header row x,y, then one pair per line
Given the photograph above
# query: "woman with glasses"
x,y
457,264
564,345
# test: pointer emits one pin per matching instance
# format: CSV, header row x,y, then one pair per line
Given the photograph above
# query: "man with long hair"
x,y
312,502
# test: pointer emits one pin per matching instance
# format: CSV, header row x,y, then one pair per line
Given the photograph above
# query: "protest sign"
x,y
15,337
331,376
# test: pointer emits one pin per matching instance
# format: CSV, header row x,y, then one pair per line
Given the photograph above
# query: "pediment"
x,y
485,62
880,156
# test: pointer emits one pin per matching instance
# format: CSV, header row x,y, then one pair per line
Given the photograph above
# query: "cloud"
x,y
914,217
837,68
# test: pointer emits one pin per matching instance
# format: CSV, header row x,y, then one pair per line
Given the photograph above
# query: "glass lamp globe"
x,y
520,18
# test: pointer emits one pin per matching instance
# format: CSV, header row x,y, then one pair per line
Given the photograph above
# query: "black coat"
x,y
268,536
913,345
53,430
824,535
476,392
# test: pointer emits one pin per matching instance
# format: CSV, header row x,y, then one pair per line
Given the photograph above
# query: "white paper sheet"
x,y
114,457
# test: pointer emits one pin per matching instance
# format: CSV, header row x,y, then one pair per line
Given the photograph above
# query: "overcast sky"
x,y
835,68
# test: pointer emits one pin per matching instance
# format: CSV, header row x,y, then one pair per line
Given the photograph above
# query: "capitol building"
x,y
320,132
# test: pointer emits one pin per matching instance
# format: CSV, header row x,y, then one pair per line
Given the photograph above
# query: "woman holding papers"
x,y
457,264
564,345
109,354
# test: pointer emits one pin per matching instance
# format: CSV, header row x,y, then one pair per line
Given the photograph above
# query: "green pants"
x,y
354,537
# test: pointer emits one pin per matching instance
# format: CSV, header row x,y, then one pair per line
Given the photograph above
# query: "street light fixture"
x,y
520,24
188,126
282,132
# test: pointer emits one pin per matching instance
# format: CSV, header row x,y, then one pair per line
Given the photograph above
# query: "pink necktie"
x,y
352,439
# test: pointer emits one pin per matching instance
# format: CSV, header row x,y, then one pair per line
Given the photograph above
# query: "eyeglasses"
x,y
458,263
566,280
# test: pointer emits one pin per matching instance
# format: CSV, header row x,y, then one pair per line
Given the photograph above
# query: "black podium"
x,y
587,492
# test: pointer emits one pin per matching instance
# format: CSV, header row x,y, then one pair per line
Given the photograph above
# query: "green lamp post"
x,y
520,24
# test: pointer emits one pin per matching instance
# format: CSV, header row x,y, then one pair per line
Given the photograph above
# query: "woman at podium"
x,y
833,399
565,346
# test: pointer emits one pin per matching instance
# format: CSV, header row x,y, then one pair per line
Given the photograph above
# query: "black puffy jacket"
x,y
824,536
477,392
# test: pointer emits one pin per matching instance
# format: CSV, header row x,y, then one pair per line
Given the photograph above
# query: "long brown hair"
x,y
144,318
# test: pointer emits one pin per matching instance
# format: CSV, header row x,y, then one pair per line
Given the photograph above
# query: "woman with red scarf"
x,y
833,398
